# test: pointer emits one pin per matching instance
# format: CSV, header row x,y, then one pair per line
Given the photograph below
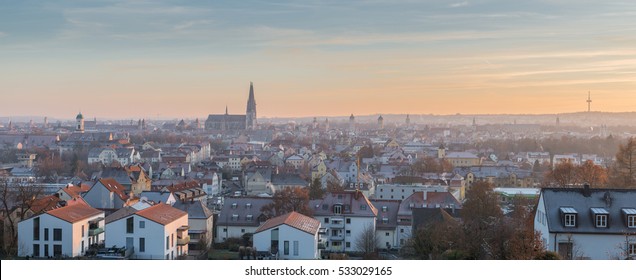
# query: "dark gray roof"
x,y
229,118
425,217
242,207
387,213
354,204
611,200
156,196
195,209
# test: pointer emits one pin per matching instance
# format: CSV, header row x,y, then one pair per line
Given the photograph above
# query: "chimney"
x,y
586,190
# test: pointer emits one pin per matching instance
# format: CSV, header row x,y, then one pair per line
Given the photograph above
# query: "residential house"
x,y
386,230
344,216
585,223
287,180
461,159
292,236
156,232
61,232
107,194
240,215
200,221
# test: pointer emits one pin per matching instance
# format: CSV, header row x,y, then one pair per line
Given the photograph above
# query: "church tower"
x,y
79,123
250,116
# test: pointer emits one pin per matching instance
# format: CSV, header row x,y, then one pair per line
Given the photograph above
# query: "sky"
x,y
186,59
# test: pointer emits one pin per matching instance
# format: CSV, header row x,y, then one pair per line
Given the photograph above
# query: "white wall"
x,y
232,232
307,243
154,234
71,236
356,227
593,246
383,239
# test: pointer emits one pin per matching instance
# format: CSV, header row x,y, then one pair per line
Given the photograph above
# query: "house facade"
x,y
292,236
584,223
156,232
62,232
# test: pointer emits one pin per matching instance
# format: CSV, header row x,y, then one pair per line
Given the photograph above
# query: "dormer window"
x,y
385,220
249,205
384,208
363,207
235,217
600,217
325,207
568,214
337,209
629,216
249,218
234,205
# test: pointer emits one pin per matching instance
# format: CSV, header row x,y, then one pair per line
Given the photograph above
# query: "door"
x,y
130,243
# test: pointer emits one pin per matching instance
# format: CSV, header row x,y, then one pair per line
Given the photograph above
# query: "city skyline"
x,y
119,59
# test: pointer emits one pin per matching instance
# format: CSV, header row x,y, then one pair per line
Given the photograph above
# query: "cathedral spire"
x,y
226,109
250,116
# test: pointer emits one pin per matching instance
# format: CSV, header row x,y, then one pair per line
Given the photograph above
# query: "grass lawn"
x,y
222,255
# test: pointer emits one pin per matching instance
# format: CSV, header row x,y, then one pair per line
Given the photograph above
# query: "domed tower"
x,y
380,122
79,123
250,116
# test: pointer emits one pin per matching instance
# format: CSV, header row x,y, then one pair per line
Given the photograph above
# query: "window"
x,y
249,205
326,220
348,244
601,221
82,230
249,218
632,249
363,207
46,235
286,248
235,217
348,232
385,208
36,250
167,244
386,234
346,207
234,205
167,256
401,230
142,224
337,209
570,220
385,220
142,244
225,230
36,229
130,225
57,249
348,220
46,250
325,207
242,230
57,234
172,240
631,221
296,248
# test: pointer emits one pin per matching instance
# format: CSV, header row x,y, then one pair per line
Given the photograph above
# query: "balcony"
x,y
336,223
181,241
95,231
338,237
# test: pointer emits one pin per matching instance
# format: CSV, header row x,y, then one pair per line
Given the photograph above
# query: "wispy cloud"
x,y
459,4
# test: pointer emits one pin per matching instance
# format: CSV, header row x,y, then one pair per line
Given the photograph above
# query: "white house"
x,y
386,228
62,232
156,232
292,236
344,217
584,223
402,191
107,194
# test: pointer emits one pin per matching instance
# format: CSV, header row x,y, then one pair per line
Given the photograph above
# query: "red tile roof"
x,y
45,204
75,212
75,191
292,219
162,213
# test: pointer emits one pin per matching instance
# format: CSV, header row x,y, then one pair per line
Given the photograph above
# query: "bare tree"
x,y
367,241
17,202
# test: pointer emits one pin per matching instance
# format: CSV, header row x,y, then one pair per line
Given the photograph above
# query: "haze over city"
x,y
316,58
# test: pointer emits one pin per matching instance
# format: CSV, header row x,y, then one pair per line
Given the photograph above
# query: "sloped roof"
x,y
113,186
292,219
46,203
162,213
195,209
74,212
611,201
120,214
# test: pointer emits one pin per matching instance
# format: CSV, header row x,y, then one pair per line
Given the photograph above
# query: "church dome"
x,y
79,116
